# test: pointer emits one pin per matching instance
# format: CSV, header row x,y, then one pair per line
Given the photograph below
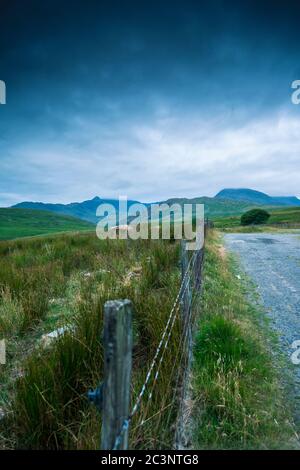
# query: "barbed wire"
x,y
171,328
165,335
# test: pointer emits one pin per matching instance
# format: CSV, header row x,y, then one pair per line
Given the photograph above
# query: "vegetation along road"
x,y
273,262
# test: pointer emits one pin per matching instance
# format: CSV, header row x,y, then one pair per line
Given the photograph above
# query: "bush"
x,y
255,217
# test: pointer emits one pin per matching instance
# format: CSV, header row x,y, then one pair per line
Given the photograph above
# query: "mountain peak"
x,y
256,197
240,192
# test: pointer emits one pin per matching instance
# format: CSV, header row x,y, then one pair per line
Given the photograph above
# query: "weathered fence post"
x,y
117,372
181,435
186,298
183,258
198,269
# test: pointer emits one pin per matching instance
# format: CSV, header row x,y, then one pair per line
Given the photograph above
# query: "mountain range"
x,y
257,197
85,210
226,203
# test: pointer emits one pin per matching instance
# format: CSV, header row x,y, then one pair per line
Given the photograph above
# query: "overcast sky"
x,y
149,99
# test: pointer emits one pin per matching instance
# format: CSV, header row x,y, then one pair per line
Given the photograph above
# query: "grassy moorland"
x,y
17,223
239,401
64,280
280,217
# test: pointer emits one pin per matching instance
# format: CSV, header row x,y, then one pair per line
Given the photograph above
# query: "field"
x,y
279,217
15,223
64,280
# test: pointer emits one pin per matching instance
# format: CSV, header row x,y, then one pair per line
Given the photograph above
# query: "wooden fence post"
x,y
117,372
186,299
205,228
181,434
198,269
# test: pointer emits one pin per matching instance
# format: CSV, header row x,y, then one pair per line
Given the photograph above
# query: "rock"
x,y
58,300
2,413
135,272
48,338
86,274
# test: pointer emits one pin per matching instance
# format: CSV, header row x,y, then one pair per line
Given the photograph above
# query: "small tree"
x,y
255,217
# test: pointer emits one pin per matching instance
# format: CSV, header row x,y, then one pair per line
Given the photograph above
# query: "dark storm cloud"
x,y
105,96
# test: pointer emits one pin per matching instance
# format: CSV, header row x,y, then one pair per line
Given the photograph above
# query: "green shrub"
x,y
255,217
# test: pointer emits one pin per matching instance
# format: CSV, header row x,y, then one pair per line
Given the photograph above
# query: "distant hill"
x,y
257,197
279,215
226,203
15,223
215,207
85,210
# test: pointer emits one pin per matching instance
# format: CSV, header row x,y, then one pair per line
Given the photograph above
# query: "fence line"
x,y
171,322
182,434
116,417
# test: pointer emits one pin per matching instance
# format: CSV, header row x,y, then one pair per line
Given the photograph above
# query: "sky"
x,y
148,99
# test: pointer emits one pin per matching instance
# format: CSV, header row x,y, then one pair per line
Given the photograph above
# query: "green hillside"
x,y
86,210
290,215
15,223
257,197
215,207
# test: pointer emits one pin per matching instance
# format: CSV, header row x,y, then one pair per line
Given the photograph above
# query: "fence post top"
x,y
117,344
117,303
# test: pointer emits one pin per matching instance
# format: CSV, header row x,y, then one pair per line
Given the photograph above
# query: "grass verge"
x,y
239,400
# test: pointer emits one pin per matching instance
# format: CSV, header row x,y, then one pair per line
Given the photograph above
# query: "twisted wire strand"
x,y
165,335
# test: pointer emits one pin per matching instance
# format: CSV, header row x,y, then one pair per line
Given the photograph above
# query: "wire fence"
x,y
170,364
161,348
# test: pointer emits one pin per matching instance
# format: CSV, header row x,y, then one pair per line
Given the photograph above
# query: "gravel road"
x,y
273,263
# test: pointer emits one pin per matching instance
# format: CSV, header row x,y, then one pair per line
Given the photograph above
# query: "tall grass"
x,y
35,270
49,409
11,314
